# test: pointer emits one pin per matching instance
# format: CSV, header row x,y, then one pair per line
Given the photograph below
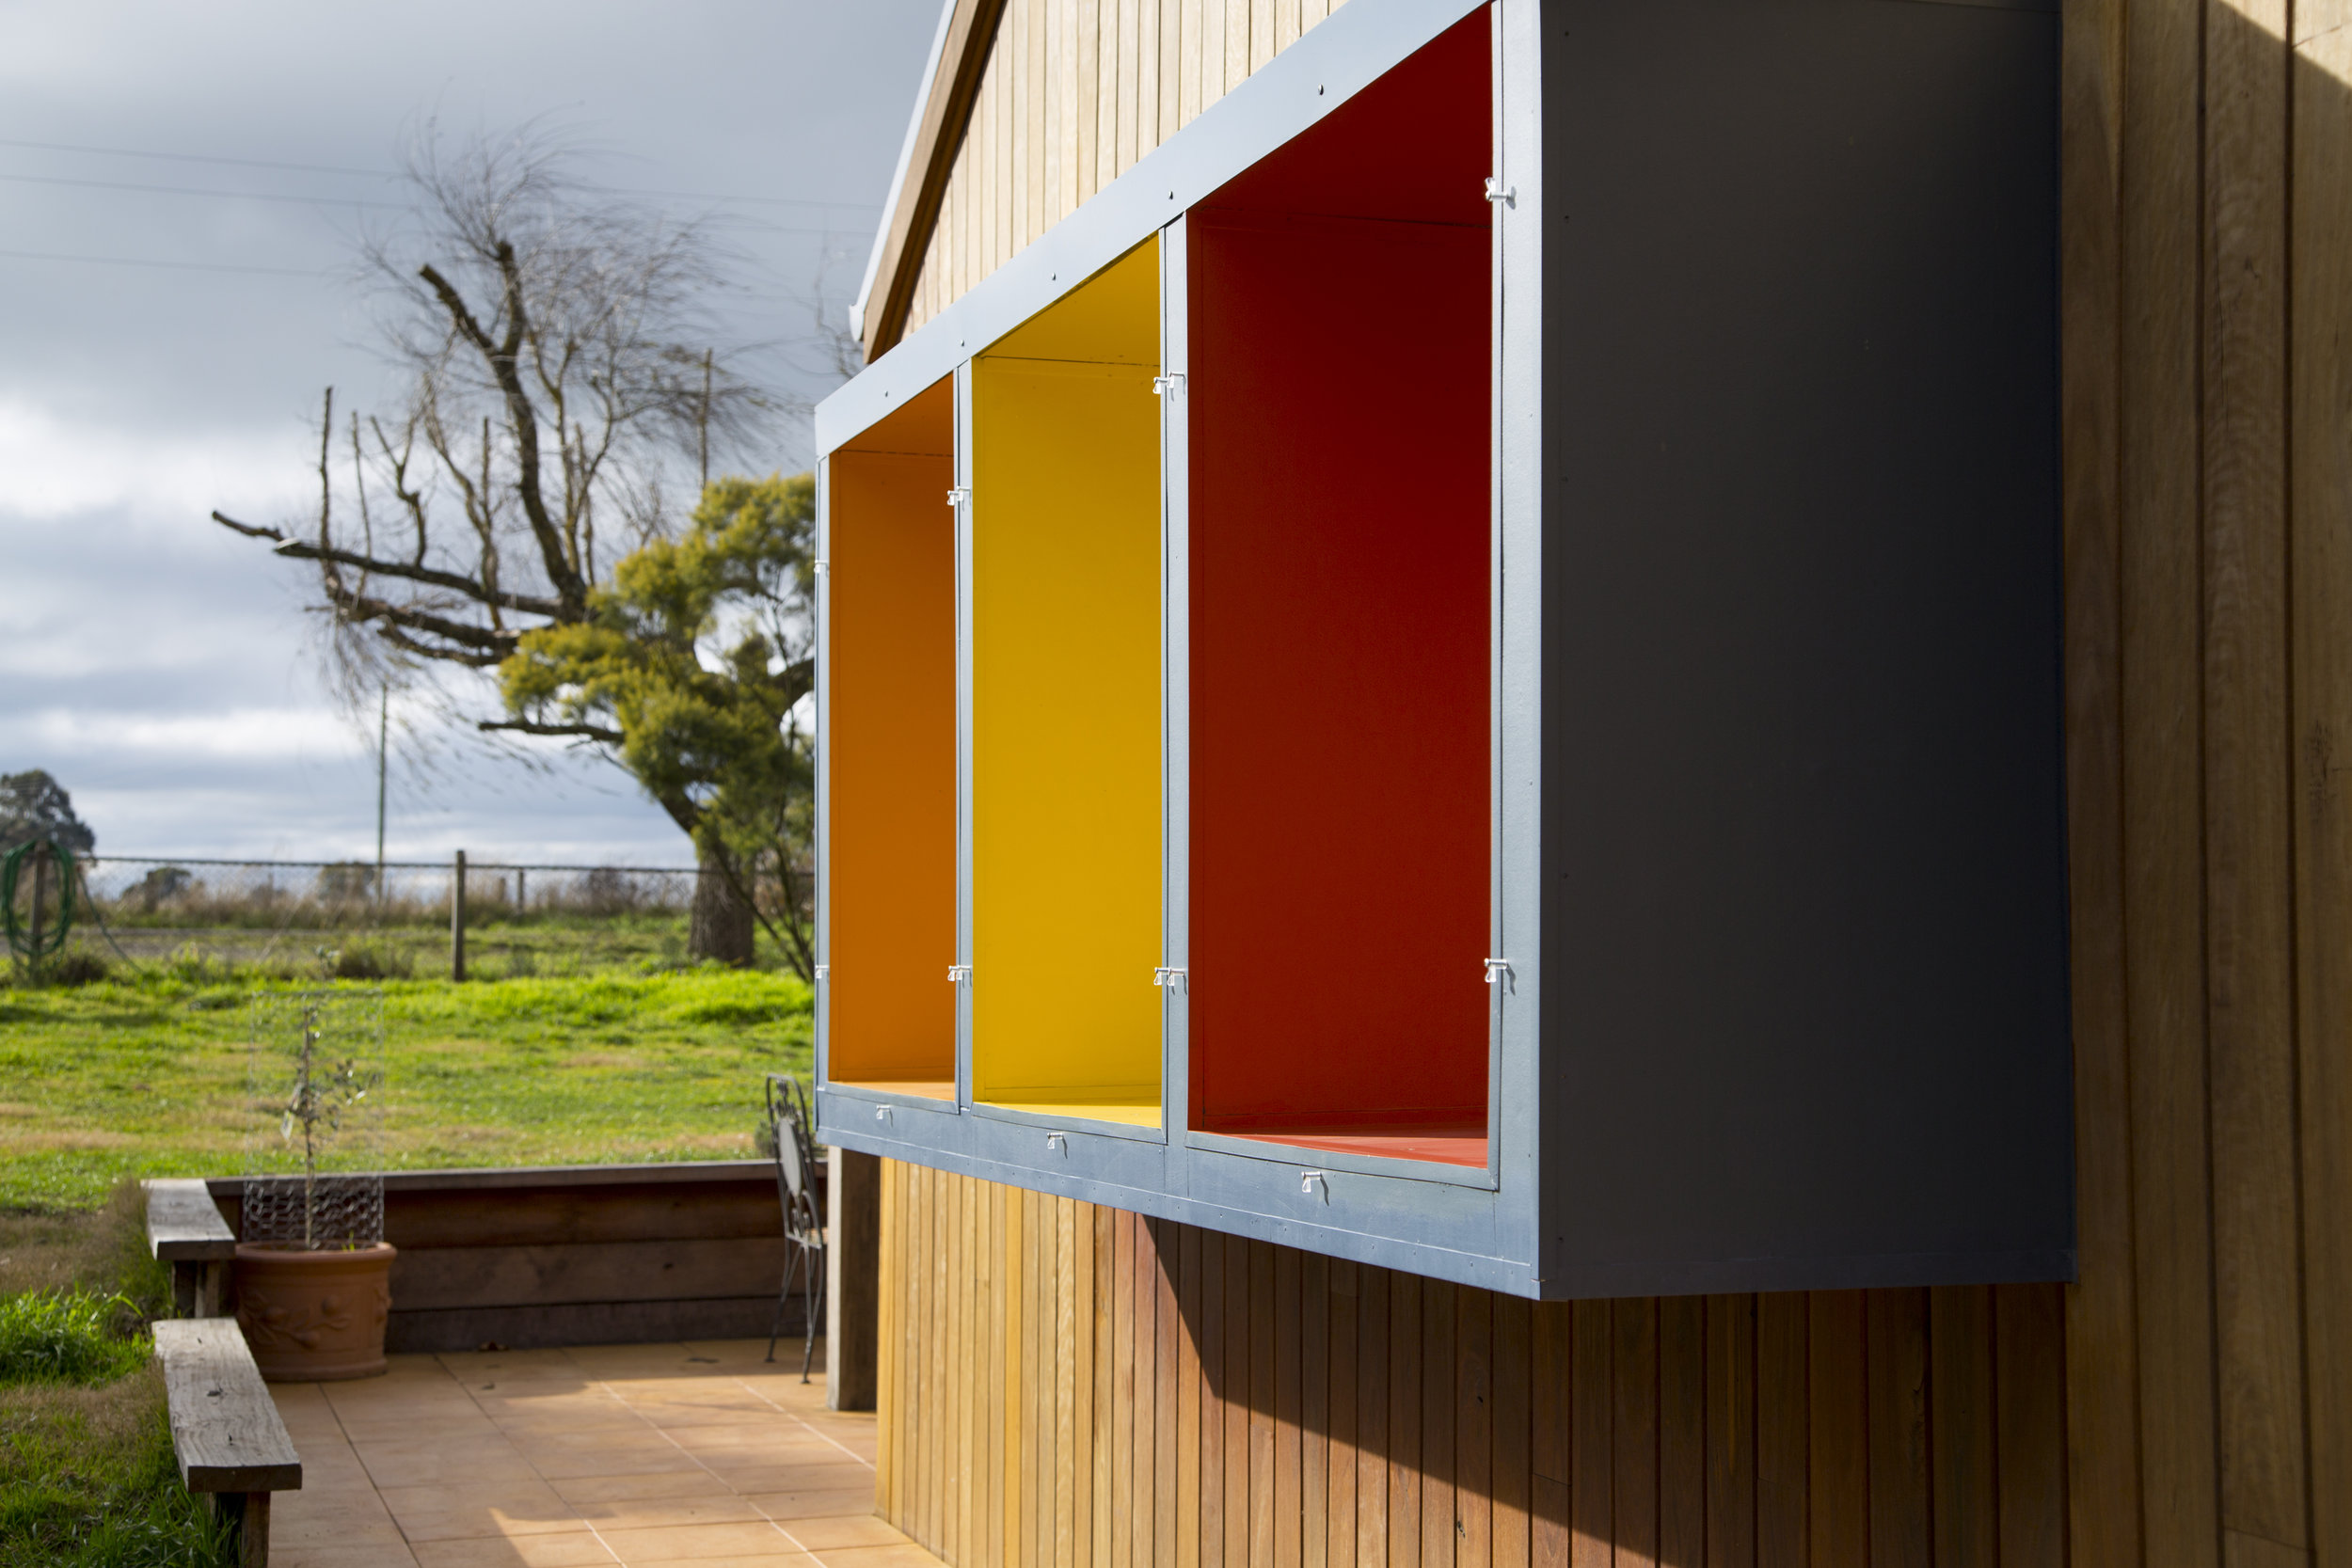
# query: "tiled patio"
x,y
560,1458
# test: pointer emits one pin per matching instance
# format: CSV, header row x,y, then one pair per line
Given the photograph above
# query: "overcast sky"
x,y
160,667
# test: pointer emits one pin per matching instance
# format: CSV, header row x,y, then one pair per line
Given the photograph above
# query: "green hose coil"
x,y
50,940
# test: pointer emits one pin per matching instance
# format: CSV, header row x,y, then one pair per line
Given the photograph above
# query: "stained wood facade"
x,y
1065,1383
1063,96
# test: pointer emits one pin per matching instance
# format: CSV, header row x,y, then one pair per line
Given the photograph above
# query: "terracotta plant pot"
x,y
314,1317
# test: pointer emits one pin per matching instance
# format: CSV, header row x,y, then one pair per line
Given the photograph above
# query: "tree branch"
x,y
531,726
501,357
298,549
495,645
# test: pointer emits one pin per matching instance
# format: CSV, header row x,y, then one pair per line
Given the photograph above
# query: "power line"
x,y
389,174
192,158
760,200
136,262
191,190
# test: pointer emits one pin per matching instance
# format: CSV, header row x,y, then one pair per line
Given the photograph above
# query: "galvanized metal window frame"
x,y
1473,1225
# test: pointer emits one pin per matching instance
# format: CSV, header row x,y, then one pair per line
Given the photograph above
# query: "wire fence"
x,y
357,920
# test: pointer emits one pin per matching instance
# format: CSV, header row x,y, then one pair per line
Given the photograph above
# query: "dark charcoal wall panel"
x,y
1805,925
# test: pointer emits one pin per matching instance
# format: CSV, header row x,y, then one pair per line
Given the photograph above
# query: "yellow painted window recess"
x,y
1065,706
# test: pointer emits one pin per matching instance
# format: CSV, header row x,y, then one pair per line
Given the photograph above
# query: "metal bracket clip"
x,y
823,969
1172,382
1172,978
1058,1142
958,974
1498,191
960,494
1499,972
1312,1184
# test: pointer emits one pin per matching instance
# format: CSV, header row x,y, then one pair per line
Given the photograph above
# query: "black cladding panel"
x,y
1805,990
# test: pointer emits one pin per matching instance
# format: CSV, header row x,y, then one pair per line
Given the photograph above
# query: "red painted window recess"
x,y
1341,650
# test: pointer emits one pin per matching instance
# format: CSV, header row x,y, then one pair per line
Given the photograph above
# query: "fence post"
x,y
457,917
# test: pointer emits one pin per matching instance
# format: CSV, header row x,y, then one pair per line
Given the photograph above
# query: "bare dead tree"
x,y
554,349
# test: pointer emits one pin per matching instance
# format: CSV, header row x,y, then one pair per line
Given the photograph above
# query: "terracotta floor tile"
x,y
843,1530
464,1524
365,1393
519,1397
906,1554
394,1556
523,1428
515,1551
788,1506
696,1543
786,1442
603,1410
693,1482
772,1435
801,1477
687,1385
649,1513
579,1463
422,1429
546,1393
528,1496
327,1526
669,1416
463,1363
492,1460
424,1467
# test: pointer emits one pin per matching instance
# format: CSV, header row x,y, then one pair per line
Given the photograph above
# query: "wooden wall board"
x,y
1326,1413
1131,73
2320,483
2248,803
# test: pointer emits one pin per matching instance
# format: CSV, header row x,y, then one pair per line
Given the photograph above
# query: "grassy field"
x,y
87,1477
148,1073
499,946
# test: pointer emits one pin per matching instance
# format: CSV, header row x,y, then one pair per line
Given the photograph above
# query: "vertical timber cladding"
x,y
1819,1416
1065,706
1339,545
1069,1383
891,753
1804,938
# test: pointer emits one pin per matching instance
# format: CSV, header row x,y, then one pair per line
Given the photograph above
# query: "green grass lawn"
x,y
148,1073
86,1476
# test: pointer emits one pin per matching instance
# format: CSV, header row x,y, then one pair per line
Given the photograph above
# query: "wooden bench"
x,y
225,1431
184,1230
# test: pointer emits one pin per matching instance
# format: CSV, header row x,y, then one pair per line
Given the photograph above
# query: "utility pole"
x,y
383,739
703,432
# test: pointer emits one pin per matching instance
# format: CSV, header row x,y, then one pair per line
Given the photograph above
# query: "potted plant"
x,y
313,1270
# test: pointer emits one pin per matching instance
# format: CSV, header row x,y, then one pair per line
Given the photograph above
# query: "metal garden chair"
x,y
803,1226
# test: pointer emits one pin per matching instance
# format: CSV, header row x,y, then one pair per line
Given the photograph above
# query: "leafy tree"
x,y
550,339
690,664
33,806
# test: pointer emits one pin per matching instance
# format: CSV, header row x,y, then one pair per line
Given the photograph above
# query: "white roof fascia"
x,y
898,175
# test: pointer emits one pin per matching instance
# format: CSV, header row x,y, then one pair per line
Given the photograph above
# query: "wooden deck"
x,y
622,1454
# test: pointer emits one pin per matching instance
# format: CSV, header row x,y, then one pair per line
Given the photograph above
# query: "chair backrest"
x,y
796,1155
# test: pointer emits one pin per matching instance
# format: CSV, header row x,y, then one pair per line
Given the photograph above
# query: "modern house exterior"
x,y
1575,793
